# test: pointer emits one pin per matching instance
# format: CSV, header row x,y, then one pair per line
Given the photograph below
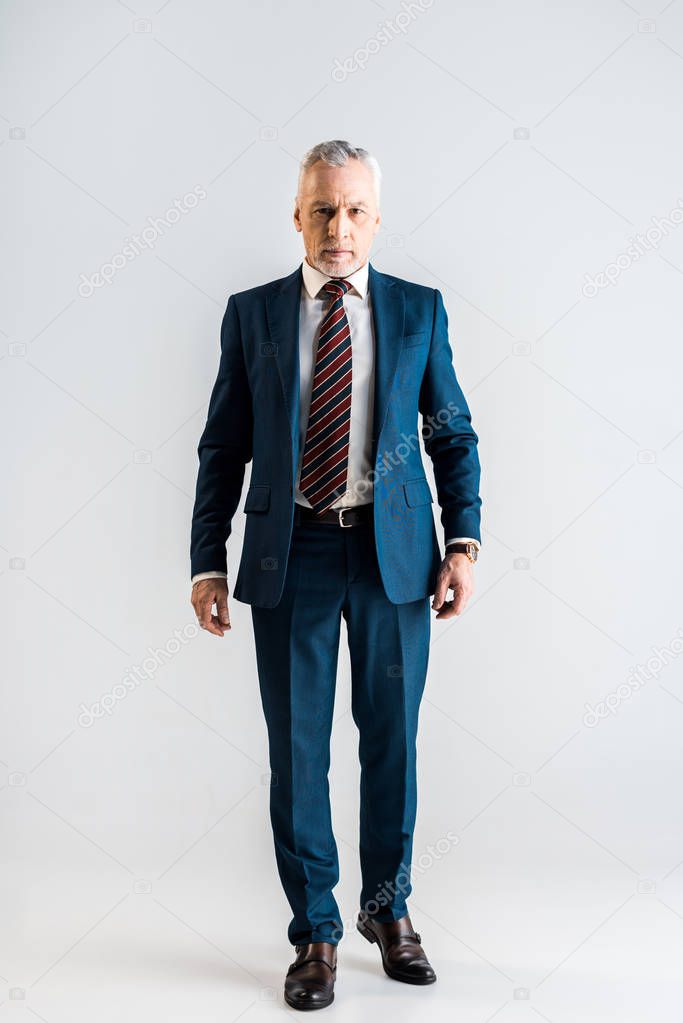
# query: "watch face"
x,y
472,551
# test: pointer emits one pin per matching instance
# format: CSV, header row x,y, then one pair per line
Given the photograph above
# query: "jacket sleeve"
x,y
449,438
225,447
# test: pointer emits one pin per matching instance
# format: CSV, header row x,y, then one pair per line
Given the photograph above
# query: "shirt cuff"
x,y
208,575
464,539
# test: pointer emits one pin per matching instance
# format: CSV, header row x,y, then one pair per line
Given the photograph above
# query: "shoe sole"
x,y
302,1007
404,978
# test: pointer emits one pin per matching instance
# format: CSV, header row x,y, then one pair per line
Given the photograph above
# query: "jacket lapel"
x,y
387,303
282,311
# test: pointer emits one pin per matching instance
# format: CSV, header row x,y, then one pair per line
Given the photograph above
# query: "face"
x,y
336,211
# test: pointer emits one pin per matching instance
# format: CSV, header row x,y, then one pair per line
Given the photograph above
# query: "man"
x,y
322,375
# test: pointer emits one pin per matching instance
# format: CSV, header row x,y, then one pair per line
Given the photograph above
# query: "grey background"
x,y
523,145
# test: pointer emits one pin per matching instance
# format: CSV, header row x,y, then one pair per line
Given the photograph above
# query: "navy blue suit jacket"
x,y
254,416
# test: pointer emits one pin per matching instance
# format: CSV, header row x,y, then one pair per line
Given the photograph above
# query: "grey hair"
x,y
337,152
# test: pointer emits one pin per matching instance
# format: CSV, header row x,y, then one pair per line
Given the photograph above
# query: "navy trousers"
x,y
333,572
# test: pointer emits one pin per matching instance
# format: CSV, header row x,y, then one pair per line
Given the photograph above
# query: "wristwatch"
x,y
470,549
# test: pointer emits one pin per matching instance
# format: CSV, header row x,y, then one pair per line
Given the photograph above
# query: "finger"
x,y
222,612
461,598
204,616
455,607
217,627
440,591
214,626
451,608
446,610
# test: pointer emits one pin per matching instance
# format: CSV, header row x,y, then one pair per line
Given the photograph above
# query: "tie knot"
x,y
337,287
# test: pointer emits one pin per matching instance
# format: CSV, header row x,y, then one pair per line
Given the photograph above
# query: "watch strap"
x,y
461,547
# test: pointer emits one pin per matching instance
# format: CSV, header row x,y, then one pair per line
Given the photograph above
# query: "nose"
x,y
338,226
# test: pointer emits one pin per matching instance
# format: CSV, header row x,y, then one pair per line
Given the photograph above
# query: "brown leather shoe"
x,y
309,983
403,957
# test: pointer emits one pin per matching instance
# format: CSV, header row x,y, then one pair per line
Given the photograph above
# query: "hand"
x,y
455,574
205,593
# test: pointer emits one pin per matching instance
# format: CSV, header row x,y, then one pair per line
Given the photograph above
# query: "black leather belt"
x,y
342,517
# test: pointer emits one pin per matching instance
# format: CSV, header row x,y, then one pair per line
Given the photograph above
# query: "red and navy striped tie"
x,y
326,450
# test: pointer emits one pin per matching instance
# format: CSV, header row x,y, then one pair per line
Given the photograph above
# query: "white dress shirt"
x,y
314,305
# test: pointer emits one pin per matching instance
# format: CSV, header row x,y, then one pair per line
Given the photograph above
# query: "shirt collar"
x,y
314,279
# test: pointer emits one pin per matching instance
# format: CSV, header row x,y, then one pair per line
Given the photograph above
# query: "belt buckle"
x,y
340,513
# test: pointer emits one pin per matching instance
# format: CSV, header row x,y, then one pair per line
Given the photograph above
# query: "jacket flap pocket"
x,y
258,497
417,492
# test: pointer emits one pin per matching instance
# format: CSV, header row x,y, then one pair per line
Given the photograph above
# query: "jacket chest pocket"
x,y
411,365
